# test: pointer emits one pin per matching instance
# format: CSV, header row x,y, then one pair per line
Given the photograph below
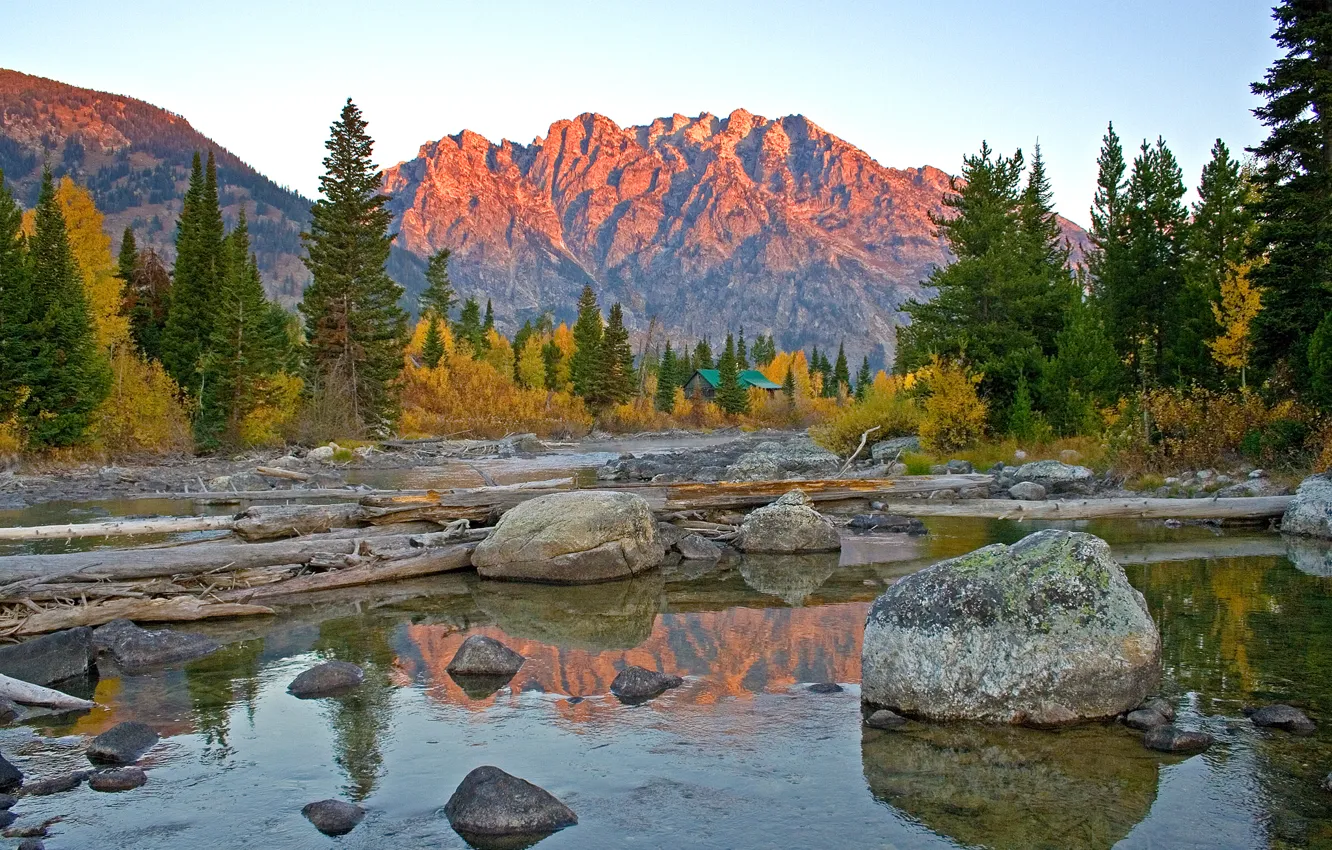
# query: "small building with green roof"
x,y
705,382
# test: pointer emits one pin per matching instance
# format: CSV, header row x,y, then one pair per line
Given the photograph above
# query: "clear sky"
x,y
911,83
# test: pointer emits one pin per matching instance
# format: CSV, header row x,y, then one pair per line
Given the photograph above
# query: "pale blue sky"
x,y
910,83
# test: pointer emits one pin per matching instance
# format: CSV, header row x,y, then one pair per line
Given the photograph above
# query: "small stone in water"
x,y
885,719
55,785
333,817
490,802
1161,707
31,844
1145,718
484,656
332,678
635,684
10,777
1283,717
7,801
1171,739
824,688
117,779
122,743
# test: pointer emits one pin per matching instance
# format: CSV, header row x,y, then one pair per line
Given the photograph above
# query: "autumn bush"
x,y
953,414
466,396
144,413
894,413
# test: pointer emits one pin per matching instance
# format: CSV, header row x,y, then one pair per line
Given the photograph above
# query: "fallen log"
x,y
119,528
165,610
431,561
1251,508
278,472
1266,546
26,693
747,494
266,522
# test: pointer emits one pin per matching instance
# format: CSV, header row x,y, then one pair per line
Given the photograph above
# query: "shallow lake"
x,y
741,756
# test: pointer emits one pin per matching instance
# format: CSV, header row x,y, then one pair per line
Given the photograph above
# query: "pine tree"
x,y
489,324
863,380
432,349
1294,189
354,327
15,306
1108,261
67,376
197,280
438,297
128,259
731,396
585,365
667,380
703,355
841,372
551,358
617,360
1021,415
789,387
741,354
469,328
1158,304
1083,374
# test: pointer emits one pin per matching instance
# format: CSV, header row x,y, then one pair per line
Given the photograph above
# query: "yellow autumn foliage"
x,y
471,396
144,413
531,363
953,414
886,408
1240,304
277,404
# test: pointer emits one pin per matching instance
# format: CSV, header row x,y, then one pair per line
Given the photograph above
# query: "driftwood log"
x,y
26,693
1250,508
165,610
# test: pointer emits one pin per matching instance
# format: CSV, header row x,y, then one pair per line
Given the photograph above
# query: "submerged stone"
x,y
55,785
332,678
885,719
117,779
1285,718
135,649
333,817
825,688
1143,719
490,803
1171,739
1047,631
636,684
122,743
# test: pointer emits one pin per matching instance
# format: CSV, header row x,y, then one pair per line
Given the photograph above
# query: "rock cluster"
x,y
1310,512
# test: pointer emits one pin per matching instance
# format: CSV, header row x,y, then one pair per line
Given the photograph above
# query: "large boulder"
x,y
1310,512
1056,477
1047,631
490,803
787,526
50,658
889,450
572,538
778,460
135,649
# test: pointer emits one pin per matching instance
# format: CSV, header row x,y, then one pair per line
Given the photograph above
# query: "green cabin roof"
x,y
748,378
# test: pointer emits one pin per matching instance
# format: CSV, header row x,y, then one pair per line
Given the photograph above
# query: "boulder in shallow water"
x,y
572,538
333,817
50,658
825,688
1056,477
1047,631
484,656
1027,491
787,526
885,719
117,779
10,776
636,684
135,649
55,785
330,679
122,743
1143,719
1171,739
887,522
490,803
695,547
1284,717
1310,512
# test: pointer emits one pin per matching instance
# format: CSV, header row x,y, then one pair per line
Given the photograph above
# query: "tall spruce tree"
x,y
1155,302
438,297
1084,373
489,324
841,371
585,366
197,280
469,327
128,258
15,305
67,376
617,360
789,387
354,326
667,380
432,347
732,397
741,353
1294,183
703,355
864,378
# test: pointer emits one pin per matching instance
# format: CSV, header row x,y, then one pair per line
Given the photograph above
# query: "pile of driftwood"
x,y
272,551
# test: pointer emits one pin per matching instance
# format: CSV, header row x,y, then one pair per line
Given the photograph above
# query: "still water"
x,y
741,756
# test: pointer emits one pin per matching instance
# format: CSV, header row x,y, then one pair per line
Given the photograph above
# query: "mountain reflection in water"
x,y
740,756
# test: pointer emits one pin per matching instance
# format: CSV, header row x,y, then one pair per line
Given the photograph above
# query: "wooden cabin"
x,y
704,382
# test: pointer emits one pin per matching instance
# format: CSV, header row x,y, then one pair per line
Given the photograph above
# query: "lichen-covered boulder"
x,y
1056,477
1045,632
572,538
1310,512
787,526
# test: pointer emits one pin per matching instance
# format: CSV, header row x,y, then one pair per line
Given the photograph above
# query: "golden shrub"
x,y
271,418
637,414
144,412
466,396
953,415
895,414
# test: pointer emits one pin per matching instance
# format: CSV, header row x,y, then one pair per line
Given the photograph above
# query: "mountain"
x,y
135,158
705,223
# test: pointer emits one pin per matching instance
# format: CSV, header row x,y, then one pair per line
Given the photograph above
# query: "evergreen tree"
x,y
67,376
841,372
470,329
585,366
667,380
789,387
864,378
197,280
354,327
128,259
731,396
815,361
147,303
438,297
489,324
1108,261
1155,301
617,360
703,355
1294,189
1083,374
15,305
551,358
741,354
1022,415
432,349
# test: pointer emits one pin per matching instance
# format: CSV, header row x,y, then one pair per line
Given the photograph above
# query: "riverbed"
x,y
742,755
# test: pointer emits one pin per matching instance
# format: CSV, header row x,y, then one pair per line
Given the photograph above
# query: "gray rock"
x,y
55,785
887,522
490,802
484,656
885,719
694,547
9,710
1144,719
1028,491
1161,707
939,469
135,649
896,470
787,526
122,743
322,454
333,817
7,801
1056,477
10,776
777,460
1171,739
117,779
959,467
1310,555
889,450
1047,631
50,658
636,684
31,844
670,534
1326,784
332,678
572,538
825,688
1285,718
1310,512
